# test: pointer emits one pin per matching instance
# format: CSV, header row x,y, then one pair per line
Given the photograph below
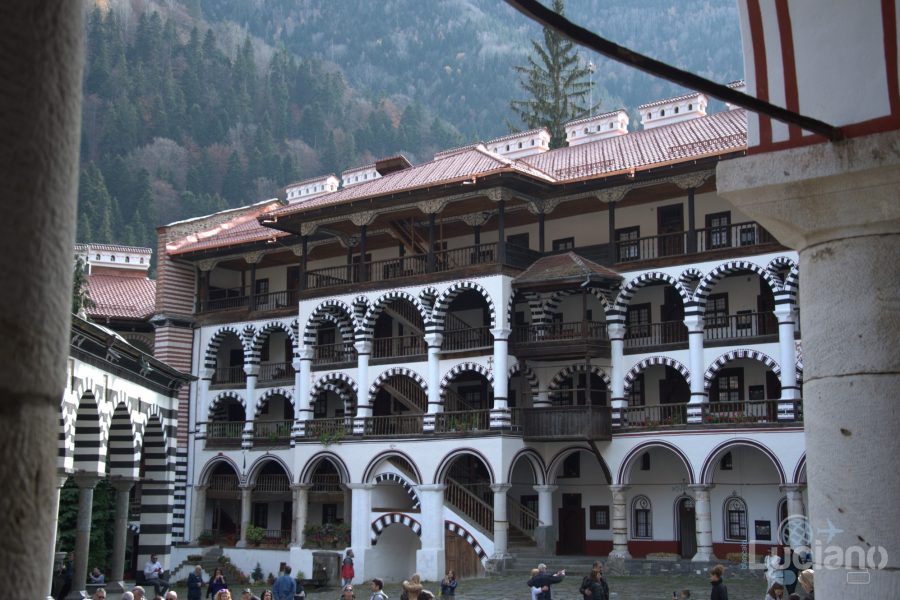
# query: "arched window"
x,y
735,519
112,258
128,259
690,107
676,110
642,518
662,112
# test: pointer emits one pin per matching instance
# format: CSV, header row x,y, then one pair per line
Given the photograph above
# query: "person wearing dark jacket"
x,y
719,591
195,584
544,580
594,586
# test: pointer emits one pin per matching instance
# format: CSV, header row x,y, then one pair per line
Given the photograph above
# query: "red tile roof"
x,y
668,100
241,229
605,115
114,248
119,297
563,267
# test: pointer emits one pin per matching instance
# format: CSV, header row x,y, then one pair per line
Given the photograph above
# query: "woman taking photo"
x,y
448,584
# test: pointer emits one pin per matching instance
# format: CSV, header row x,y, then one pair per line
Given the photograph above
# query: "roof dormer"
x,y
738,86
359,175
522,144
673,110
310,188
599,127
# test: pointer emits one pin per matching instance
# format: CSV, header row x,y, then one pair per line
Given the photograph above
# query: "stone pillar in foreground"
x,y
619,522
435,405
246,506
86,485
616,330
430,559
501,522
120,534
300,502
838,205
545,532
703,519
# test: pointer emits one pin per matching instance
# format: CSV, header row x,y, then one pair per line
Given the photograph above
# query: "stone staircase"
x,y
211,558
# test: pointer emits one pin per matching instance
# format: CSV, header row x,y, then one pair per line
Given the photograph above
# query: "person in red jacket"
x,y
347,571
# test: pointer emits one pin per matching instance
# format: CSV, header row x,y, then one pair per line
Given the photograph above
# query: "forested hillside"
x,y
192,106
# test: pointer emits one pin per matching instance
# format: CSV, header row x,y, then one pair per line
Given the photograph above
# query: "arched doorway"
x,y
222,513
686,527
271,506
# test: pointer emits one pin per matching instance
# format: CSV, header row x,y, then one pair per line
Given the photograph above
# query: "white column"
x,y
618,403
360,526
435,405
545,533
120,534
703,519
363,408
54,501
501,523
786,312
302,381
300,503
694,321
202,400
500,417
796,514
198,512
430,560
246,507
619,522
252,372
542,400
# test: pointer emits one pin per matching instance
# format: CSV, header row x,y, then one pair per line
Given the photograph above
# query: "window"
x,y
611,126
735,519
128,259
627,243
572,466
662,112
520,145
648,116
637,320
532,142
727,462
112,258
744,322
98,257
563,244
585,131
717,310
636,397
718,230
262,287
691,106
642,518
600,517
676,110
329,514
519,240
645,461
728,386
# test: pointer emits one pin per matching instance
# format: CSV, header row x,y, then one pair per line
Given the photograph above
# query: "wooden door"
x,y
571,525
461,557
687,529
669,221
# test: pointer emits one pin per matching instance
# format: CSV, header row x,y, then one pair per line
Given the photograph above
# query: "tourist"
x,y
247,594
171,595
719,591
138,592
535,591
776,592
153,574
347,572
544,580
594,586
195,584
790,570
425,595
68,572
774,567
411,588
347,593
99,594
377,586
127,596
285,586
806,582
223,595
216,584
267,595
96,576
448,584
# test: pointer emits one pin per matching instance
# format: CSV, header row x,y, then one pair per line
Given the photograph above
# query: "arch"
x,y
263,334
375,309
565,452
212,348
313,463
799,476
124,452
738,354
258,464
442,304
444,465
529,375
339,313
212,464
734,266
345,384
360,308
284,392
788,282
551,303
402,482
428,296
215,403
462,368
664,361
706,472
155,449
376,460
624,474
395,518
571,370
90,437
462,532
631,288
393,372
534,459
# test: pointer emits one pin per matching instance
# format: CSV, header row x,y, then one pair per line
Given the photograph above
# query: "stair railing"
x,y
480,513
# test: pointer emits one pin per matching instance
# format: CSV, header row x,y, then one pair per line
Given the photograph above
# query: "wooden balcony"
x,y
564,423
239,299
282,372
268,434
327,355
229,377
272,484
466,421
471,338
560,340
223,434
223,487
665,335
726,414
399,346
742,326
393,426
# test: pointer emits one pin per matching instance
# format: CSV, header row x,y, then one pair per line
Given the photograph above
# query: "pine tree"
x,y
556,83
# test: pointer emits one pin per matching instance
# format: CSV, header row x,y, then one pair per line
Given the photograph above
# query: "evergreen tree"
x,y
81,297
557,85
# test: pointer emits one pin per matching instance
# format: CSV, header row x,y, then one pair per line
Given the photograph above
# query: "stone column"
x,y
500,417
363,408
545,533
41,106
618,403
302,379
790,391
430,561
252,372
796,515
198,512
703,519
542,400
435,405
360,530
55,517
120,534
86,484
501,524
619,522
246,508
839,206
694,321
301,507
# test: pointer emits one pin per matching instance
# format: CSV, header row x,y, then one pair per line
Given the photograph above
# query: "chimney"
x,y
520,145
740,86
673,110
310,188
359,175
599,127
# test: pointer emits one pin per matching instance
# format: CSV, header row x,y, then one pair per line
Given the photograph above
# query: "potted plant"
x,y
255,535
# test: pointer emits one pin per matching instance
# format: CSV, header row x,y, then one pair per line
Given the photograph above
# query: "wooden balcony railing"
x,y
229,375
736,235
462,421
519,516
656,334
223,483
564,423
277,537
326,482
271,483
555,332
393,425
341,352
282,371
224,434
467,339
655,415
225,299
480,512
674,415
272,433
744,325
406,345
273,300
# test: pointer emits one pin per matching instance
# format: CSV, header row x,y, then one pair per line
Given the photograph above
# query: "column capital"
x,y
434,339
251,370
785,312
431,487
200,487
694,322
306,353
619,489
359,486
700,487
246,487
616,331
299,487
500,488
792,488
122,484
86,480
501,334
363,347
545,488
207,373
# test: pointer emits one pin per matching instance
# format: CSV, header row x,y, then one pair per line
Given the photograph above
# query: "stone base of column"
x,y
428,422
77,595
695,413
545,538
430,563
620,554
500,418
499,562
115,587
704,555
